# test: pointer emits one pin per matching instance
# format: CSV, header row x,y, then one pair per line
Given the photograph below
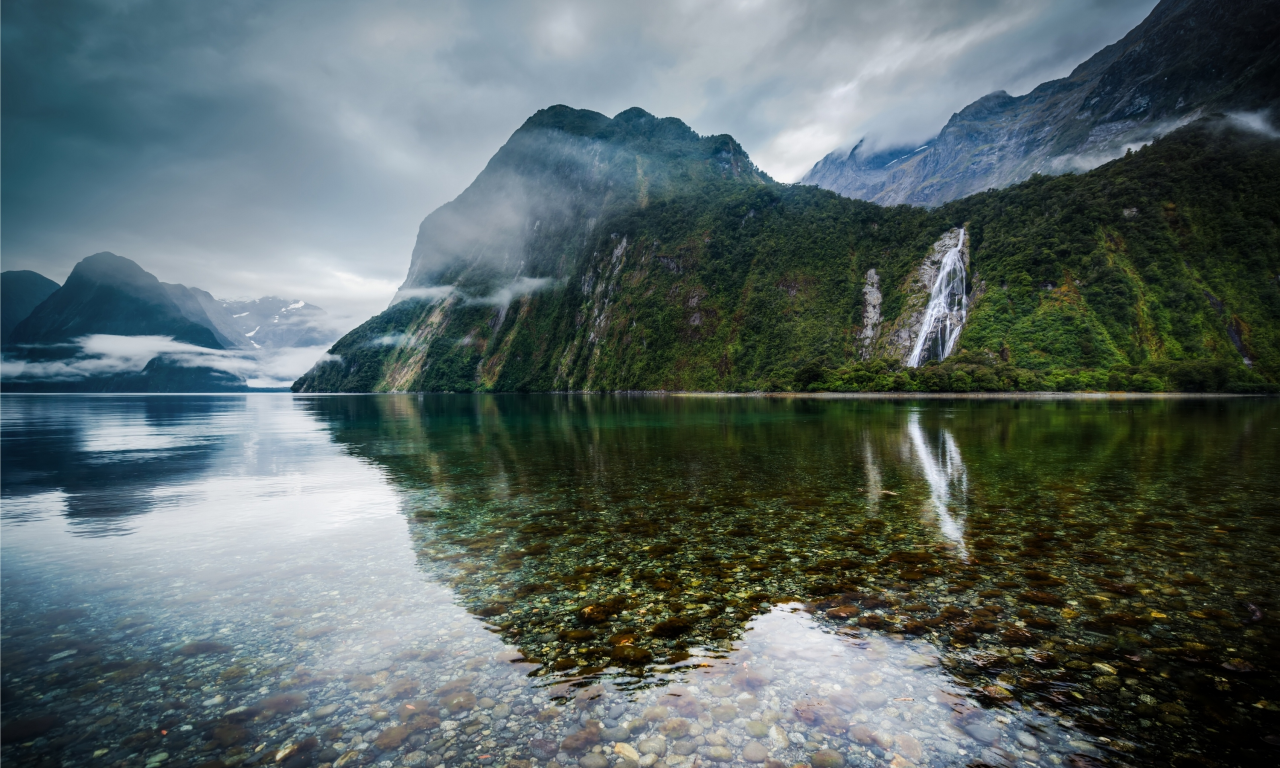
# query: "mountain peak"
x,y
1186,59
562,170
109,294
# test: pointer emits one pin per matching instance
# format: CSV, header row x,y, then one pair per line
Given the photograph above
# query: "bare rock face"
x,y
870,311
897,339
1186,59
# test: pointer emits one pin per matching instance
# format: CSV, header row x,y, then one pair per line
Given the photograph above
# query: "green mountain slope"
x,y
1156,271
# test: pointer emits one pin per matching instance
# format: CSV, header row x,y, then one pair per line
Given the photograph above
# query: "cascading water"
x,y
945,314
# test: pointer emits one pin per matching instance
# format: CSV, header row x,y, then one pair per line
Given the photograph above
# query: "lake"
x,y
619,581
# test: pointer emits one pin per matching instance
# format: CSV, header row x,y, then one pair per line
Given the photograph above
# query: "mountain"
x,y
635,255
274,323
266,323
191,303
21,291
1187,59
108,294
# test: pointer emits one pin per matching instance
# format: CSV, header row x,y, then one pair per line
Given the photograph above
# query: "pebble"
x,y
755,752
983,733
827,758
593,760
653,746
909,746
716,754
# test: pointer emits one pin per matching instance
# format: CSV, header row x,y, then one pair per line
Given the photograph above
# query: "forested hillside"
x,y
1156,271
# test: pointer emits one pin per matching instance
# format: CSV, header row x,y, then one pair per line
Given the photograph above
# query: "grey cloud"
x,y
292,147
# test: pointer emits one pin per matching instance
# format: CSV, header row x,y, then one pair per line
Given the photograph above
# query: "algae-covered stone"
x,y
655,745
827,758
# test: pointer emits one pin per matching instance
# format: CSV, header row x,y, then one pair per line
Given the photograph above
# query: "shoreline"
x,y
695,393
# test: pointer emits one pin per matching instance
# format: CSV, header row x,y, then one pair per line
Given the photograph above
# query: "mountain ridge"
x,y
23,291
730,284
1188,58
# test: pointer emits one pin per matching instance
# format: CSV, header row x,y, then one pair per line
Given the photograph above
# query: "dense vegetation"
x,y
1155,272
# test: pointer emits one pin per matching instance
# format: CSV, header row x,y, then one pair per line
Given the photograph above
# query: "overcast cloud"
x,y
292,147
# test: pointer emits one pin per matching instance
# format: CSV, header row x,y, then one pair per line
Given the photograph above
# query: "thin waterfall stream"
x,y
945,314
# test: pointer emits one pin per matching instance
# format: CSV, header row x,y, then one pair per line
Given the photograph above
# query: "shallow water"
x,y
409,580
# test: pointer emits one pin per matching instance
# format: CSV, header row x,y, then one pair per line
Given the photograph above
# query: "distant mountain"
x,y
192,306
1188,58
266,323
274,323
21,291
108,294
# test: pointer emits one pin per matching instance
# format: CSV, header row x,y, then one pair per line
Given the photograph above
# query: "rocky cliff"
x,y
720,279
1188,58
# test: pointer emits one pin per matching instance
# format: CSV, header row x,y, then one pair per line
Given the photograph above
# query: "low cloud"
x,y
390,340
432,293
1131,140
106,355
1257,122
521,286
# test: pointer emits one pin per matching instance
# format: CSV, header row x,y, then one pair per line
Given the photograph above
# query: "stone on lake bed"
x,y
1107,682
415,758
593,760
755,752
724,713
827,758
325,711
716,754
1026,739
757,729
459,701
653,746
909,747
983,732
619,733
543,749
627,751
392,738
203,647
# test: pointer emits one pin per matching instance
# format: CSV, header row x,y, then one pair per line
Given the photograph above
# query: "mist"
x,y
106,355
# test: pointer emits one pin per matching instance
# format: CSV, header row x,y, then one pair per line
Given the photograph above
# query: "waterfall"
x,y
945,314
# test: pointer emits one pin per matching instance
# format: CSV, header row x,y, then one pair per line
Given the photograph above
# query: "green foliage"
x,y
1155,272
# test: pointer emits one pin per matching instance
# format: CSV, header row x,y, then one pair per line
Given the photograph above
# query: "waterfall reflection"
x,y
948,480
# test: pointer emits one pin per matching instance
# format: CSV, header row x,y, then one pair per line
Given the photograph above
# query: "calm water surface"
x,y
599,581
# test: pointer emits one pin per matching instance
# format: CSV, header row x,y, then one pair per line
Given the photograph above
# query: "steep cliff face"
x,y
1188,58
1168,257
897,340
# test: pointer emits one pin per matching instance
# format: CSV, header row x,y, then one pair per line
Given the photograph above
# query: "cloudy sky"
x,y
292,147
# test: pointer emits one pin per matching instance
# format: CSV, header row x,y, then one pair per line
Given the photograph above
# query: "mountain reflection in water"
x,y
471,580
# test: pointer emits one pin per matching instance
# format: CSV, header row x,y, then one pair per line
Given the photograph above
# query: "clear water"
x,y
593,581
